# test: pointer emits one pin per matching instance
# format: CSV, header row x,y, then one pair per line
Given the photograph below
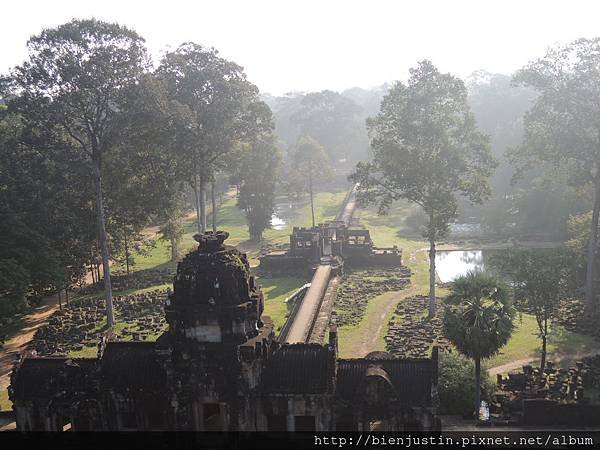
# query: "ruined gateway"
x,y
219,367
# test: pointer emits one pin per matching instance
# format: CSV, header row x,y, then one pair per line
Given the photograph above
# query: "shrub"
x,y
456,381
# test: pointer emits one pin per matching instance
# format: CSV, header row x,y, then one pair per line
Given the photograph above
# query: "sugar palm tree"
x,y
478,319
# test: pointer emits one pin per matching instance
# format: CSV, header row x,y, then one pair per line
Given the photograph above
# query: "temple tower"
x,y
216,339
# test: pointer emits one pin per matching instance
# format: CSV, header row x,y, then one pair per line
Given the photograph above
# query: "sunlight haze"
x,y
313,45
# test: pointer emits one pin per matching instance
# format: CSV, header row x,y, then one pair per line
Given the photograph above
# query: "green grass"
x,y
231,219
391,229
276,290
350,336
524,343
386,231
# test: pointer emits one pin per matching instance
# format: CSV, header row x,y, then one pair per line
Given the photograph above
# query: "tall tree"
x,y
478,319
45,187
540,279
563,127
259,163
334,121
77,78
312,164
222,107
426,149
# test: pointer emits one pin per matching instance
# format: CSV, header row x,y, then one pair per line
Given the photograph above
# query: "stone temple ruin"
x,y
219,367
333,240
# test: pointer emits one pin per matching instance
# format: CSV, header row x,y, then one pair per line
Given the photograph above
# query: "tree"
x,y
259,162
478,319
311,163
540,279
29,266
562,127
77,78
334,121
221,106
45,187
498,107
426,149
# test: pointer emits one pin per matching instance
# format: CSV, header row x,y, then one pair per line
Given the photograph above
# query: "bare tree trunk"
x,y
591,252
432,278
126,252
200,194
544,346
174,249
214,206
312,204
477,387
104,248
203,208
197,197
59,300
67,295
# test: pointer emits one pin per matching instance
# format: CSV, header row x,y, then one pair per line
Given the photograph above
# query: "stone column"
x,y
290,420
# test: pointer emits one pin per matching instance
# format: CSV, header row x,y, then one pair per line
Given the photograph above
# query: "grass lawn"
x,y
525,344
390,230
231,219
276,290
350,336
387,231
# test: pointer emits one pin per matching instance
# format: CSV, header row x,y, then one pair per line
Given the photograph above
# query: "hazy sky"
x,y
311,45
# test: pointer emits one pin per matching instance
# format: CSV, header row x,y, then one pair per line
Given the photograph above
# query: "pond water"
x,y
282,215
450,265
277,223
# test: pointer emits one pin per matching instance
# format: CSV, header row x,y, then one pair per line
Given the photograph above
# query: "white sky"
x,y
309,45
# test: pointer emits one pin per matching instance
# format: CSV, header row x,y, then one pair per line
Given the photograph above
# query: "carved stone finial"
x,y
211,242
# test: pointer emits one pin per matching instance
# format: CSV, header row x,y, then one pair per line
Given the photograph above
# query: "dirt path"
x,y
18,343
555,357
375,323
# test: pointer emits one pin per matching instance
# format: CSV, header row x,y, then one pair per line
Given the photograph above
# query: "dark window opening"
x,y
346,423
213,421
276,423
305,423
128,420
156,420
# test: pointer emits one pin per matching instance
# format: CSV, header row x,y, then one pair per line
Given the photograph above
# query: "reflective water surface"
x,y
450,265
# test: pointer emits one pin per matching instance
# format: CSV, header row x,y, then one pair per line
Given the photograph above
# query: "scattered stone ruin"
x,y
358,287
410,333
79,325
555,396
219,367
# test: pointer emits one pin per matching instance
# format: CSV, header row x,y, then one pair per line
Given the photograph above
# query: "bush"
x,y
457,384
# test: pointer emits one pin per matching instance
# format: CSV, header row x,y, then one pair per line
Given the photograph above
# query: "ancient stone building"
x,y
334,240
219,367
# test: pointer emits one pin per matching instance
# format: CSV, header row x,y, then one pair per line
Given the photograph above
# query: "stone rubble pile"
x,y
358,287
410,333
554,383
82,324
